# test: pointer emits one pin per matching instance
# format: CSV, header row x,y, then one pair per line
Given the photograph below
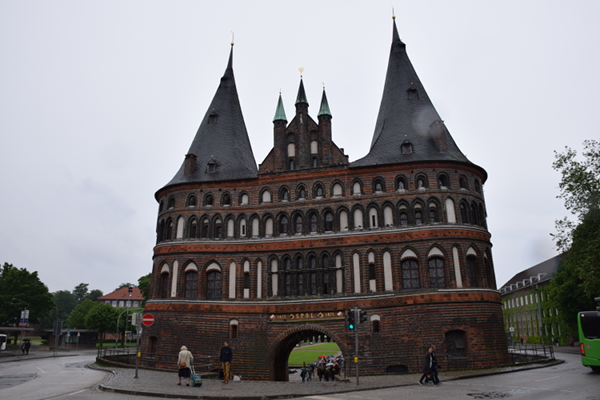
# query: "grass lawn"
x,y
309,353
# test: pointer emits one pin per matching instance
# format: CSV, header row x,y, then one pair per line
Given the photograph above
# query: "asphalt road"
x,y
569,380
66,378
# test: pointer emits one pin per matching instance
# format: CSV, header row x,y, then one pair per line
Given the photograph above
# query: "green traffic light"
x,y
351,327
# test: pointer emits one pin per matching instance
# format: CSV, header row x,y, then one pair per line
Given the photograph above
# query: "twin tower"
x,y
272,255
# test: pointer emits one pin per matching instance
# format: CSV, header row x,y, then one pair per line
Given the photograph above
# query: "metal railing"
x,y
527,353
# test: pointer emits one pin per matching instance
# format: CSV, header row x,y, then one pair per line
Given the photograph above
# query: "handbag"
x,y
182,364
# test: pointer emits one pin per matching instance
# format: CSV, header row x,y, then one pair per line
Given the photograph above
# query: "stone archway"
x,y
286,342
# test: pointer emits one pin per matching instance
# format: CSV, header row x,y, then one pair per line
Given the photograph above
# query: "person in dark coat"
x,y
27,346
225,357
427,373
434,367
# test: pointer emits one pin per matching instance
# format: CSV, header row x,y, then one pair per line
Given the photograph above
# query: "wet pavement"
x,y
164,384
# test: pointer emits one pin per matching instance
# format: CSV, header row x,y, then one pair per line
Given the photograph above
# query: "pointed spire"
x,y
280,112
221,140
324,110
407,115
301,98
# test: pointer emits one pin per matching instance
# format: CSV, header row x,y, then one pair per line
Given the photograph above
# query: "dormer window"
x,y
211,167
406,147
212,118
412,94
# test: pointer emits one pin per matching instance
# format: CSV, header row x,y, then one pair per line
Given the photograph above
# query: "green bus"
x,y
588,323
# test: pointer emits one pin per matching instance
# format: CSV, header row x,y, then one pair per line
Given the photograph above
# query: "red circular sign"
x,y
148,319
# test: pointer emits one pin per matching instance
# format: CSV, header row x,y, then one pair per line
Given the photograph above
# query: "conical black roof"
x,y
408,127
221,146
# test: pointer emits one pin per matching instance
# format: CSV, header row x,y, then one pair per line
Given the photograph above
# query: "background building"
x,y
267,257
124,297
528,313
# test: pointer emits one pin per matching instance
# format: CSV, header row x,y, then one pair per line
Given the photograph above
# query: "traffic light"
x,y
363,316
134,319
350,318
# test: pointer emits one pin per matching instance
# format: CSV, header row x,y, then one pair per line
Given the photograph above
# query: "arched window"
x,y
410,274
433,214
301,193
472,271
244,199
312,265
463,183
233,329
169,230
328,221
437,275
213,285
319,191
191,285
226,199
191,201
283,225
292,166
243,231
418,216
464,212
285,195
266,196
421,182
337,190
208,200
298,224
205,228
193,229
403,217
163,285
401,183
314,162
443,181
171,203
313,223
218,228
356,190
477,186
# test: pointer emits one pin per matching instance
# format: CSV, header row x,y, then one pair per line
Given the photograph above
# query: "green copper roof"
x,y
324,110
301,94
280,112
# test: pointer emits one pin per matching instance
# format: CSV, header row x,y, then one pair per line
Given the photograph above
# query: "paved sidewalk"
x,y
164,384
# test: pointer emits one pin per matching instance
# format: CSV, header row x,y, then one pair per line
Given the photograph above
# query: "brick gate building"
x,y
266,257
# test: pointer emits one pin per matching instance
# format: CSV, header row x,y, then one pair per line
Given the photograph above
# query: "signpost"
x,y
148,319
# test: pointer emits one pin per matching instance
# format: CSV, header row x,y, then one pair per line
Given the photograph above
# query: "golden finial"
x,y
323,83
232,36
301,69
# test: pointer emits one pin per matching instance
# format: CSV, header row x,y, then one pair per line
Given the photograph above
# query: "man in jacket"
x,y
225,357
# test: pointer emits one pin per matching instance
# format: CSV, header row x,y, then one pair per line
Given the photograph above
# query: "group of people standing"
x,y
325,369
430,368
185,361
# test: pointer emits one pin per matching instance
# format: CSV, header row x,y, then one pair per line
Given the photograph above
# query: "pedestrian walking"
x,y
27,346
426,377
434,366
184,362
225,357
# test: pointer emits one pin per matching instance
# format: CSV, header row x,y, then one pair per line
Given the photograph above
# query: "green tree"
x,y
94,294
144,286
81,292
77,317
577,280
125,284
102,318
20,289
65,303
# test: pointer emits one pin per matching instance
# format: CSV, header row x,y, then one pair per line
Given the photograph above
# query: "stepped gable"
x,y
408,127
221,149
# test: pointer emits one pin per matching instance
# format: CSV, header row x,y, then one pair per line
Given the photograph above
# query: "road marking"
x,y
71,394
546,379
43,372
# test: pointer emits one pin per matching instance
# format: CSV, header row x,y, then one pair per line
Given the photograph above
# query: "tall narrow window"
x,y
328,221
410,274
313,223
191,285
418,216
213,285
403,218
437,277
298,224
283,226
163,285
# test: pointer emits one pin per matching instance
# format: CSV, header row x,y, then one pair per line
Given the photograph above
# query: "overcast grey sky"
x,y
100,101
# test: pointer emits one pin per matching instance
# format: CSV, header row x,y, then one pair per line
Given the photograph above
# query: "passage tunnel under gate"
x,y
282,349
